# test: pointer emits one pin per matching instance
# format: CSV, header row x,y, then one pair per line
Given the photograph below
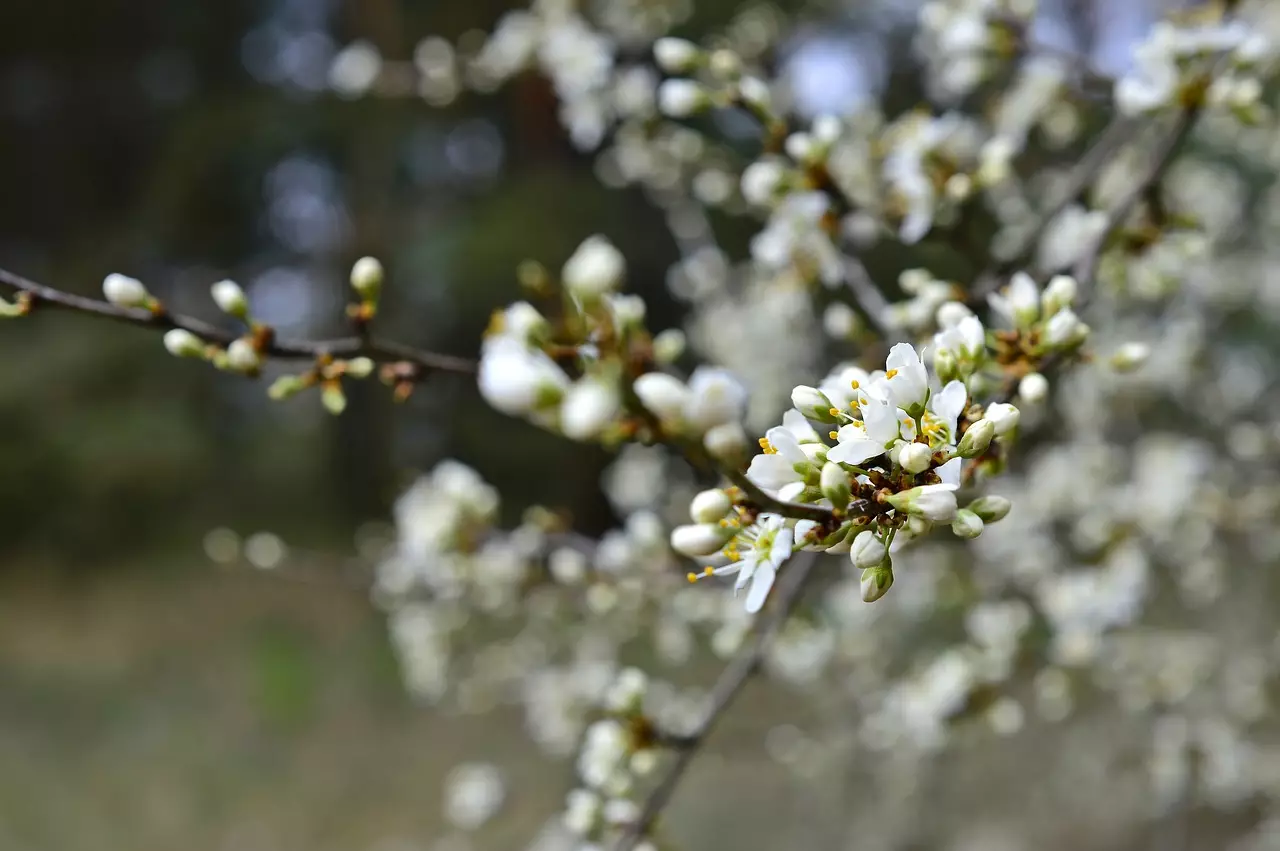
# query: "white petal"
x,y
760,587
856,451
771,471
950,472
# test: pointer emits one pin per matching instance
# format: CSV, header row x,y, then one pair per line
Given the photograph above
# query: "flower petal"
x,y
855,451
760,587
771,471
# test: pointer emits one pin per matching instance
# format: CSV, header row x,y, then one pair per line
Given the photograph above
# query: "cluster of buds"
x,y
616,750
964,42
1040,325
243,355
703,79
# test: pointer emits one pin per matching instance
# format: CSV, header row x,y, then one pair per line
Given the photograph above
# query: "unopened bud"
x,y
702,539
876,582
123,291
967,524
230,299
682,98
935,503
990,508
867,550
1130,356
333,399
243,357
676,55
1059,293
366,278
1033,387
710,506
812,403
359,367
182,343
834,482
726,440
976,439
286,386
915,458
725,64
754,92
1004,416
668,345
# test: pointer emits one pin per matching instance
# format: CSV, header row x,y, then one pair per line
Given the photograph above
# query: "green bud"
x,y
876,581
286,386
359,367
835,485
990,508
334,400
977,438
967,524
366,278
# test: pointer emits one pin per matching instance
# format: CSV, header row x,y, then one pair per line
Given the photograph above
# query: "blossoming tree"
x,y
898,457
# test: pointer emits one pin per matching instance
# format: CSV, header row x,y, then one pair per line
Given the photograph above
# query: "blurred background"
x,y
150,699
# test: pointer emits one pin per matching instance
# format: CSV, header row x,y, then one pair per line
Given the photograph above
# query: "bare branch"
x,y
372,347
791,585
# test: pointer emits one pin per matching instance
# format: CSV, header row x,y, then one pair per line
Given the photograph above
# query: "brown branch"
x,y
344,347
762,500
791,585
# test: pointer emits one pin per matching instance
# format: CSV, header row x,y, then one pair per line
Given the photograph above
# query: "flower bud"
x,y
628,311
726,440
802,148
812,403
834,482
1064,329
230,299
761,181
724,64
523,321
876,582
1004,416
663,395
1130,356
588,407
676,55
935,503
754,92
243,357
332,397
1058,294
668,345
1023,300
702,539
181,343
359,367
867,550
710,506
594,269
915,458
286,386
682,98
967,524
123,291
976,439
366,278
841,540
1033,387
990,508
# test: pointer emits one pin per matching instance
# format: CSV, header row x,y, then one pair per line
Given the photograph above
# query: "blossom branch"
x,y
790,589
161,320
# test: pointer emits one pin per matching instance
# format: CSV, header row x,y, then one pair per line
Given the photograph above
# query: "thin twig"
x,y
791,585
762,500
1165,150
372,347
1119,132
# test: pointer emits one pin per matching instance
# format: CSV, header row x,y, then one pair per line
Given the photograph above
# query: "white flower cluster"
x,y
1223,63
962,42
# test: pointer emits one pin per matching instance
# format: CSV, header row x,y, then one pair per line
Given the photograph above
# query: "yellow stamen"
x,y
692,577
835,412
767,447
854,384
891,373
833,435
708,571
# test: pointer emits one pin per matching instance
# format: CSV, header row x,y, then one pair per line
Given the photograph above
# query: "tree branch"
x,y
1165,151
346,347
791,585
